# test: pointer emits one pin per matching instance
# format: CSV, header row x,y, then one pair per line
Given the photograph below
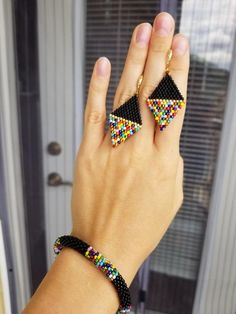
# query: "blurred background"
x,y
47,52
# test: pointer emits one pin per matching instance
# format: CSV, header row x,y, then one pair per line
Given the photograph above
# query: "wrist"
x,y
102,263
87,279
127,264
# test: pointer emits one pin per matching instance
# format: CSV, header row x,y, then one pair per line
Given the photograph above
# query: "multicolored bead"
x,y
165,101
102,263
121,129
125,121
164,110
123,311
57,247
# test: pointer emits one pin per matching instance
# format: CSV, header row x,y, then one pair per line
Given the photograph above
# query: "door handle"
x,y
55,179
54,148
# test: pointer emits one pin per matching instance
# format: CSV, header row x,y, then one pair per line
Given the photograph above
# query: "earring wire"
x,y
139,83
169,57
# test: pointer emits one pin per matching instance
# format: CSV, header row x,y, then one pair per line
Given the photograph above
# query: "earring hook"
x,y
139,83
169,57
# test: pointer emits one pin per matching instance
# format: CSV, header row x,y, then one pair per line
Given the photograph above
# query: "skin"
x,y
123,198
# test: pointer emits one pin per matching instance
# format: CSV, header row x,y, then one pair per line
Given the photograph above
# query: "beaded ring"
x,y
166,100
101,263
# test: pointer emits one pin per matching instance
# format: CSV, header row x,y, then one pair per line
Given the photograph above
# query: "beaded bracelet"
x,y
101,263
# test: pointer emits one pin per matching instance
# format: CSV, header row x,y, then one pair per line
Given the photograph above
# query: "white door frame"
x,y
11,155
216,288
61,27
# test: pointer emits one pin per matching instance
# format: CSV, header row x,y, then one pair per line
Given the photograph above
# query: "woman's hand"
x,y
125,198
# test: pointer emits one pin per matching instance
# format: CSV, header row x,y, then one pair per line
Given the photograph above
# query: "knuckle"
x,y
85,164
139,159
88,164
160,46
181,161
168,164
177,69
146,91
96,117
79,164
127,94
135,57
169,150
96,87
169,174
180,164
180,200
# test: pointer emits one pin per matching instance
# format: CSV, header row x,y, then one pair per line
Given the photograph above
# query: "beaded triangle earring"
x,y
166,100
125,120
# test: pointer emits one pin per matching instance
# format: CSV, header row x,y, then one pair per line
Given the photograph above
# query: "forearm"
x,y
74,285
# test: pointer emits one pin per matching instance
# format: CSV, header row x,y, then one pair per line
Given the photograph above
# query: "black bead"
x,y
166,89
129,110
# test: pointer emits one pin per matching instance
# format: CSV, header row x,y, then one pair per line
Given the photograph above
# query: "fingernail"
x,y
180,47
163,25
102,67
143,34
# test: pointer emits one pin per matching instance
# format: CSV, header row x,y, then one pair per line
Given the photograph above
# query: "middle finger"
x,y
160,43
134,64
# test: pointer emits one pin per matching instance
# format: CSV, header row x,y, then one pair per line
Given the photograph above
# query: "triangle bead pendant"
x,y
165,102
122,129
125,121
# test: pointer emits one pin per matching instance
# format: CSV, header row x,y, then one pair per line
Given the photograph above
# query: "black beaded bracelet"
x,y
100,262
